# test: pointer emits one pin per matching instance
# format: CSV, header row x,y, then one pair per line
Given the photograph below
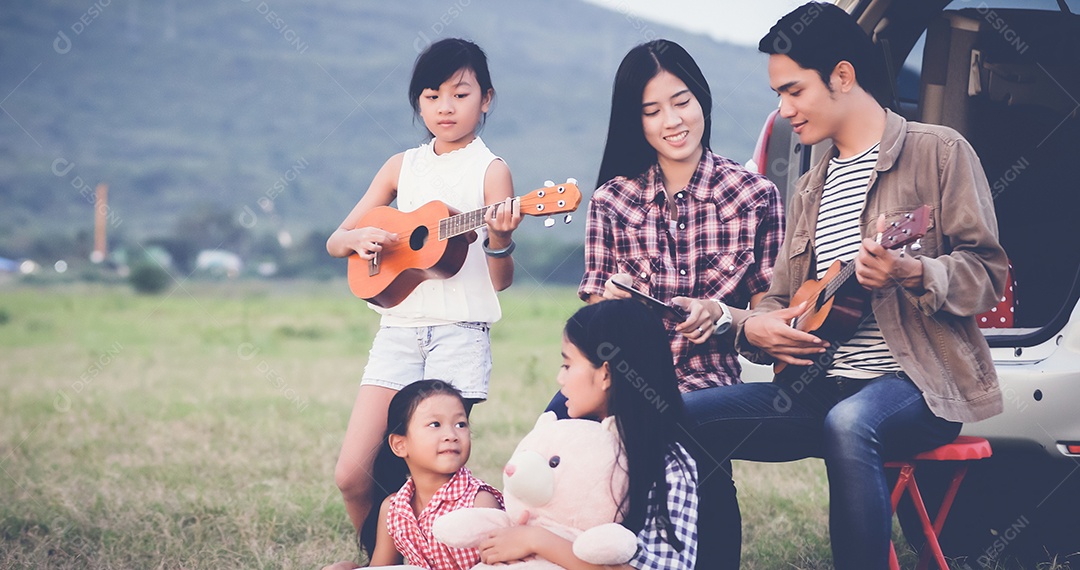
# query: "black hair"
x,y
818,36
626,152
644,397
443,59
389,471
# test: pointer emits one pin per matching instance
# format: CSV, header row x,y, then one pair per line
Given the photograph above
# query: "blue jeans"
x,y
854,425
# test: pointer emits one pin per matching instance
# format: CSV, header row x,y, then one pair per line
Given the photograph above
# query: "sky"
x,y
741,23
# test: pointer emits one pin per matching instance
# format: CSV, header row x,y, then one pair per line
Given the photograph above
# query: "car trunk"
x,y
1006,79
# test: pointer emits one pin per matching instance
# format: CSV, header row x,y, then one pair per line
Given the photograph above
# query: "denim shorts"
x,y
458,353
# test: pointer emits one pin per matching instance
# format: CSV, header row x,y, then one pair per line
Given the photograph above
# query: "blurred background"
x,y
231,137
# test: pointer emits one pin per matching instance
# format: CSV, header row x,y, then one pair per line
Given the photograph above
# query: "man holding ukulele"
x,y
916,366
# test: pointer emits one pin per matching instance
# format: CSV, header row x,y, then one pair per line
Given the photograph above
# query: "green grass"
x,y
200,429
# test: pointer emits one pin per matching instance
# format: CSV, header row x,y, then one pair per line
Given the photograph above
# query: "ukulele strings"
x,y
403,239
834,284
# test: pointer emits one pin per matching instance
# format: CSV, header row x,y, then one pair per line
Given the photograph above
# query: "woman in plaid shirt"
x,y
681,223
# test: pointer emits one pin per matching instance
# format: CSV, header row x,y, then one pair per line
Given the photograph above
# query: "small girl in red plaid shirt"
x,y
426,446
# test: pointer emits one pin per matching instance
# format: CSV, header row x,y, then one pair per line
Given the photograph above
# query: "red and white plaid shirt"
x,y
722,246
412,534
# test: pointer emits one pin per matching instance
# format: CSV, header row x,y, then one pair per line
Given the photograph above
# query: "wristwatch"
x,y
724,322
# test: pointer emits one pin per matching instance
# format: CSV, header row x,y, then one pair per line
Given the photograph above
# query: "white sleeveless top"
x,y
456,178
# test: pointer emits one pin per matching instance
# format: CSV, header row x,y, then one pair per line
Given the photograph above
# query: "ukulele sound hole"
x,y
418,237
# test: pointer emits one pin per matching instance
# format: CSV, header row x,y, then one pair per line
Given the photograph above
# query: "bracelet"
x,y
504,252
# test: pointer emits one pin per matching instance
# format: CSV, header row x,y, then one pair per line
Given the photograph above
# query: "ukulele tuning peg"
x,y
917,245
548,184
571,180
548,222
568,218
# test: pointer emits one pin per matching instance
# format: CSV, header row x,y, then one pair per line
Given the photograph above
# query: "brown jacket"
x,y
932,333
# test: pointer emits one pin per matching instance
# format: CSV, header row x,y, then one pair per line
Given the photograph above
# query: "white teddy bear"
x,y
569,476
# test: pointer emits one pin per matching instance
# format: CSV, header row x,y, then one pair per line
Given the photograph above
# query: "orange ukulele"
x,y
433,240
837,303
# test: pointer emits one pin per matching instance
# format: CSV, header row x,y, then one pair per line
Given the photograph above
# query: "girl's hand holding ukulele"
x,y
502,219
369,241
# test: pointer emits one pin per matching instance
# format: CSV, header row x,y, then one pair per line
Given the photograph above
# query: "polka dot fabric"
x,y
1003,315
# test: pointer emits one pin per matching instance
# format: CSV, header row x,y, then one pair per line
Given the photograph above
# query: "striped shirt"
x,y
838,236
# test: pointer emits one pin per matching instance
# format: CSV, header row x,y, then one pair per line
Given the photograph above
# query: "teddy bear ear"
x,y
609,424
546,418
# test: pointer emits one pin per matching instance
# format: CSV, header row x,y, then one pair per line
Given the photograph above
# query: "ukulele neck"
x,y
465,222
846,272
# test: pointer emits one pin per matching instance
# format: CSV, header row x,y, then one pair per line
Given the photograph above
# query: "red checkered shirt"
x,y
412,534
722,246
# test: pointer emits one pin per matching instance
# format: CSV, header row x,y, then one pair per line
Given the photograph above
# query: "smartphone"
x,y
663,309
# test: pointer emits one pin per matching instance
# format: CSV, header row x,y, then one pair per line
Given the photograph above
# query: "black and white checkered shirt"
x,y
654,553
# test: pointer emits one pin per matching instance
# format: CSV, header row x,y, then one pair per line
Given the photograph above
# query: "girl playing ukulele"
x,y
441,329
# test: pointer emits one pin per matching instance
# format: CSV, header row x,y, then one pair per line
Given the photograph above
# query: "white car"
x,y
1006,75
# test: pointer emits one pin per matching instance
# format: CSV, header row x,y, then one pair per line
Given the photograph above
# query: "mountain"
x,y
279,113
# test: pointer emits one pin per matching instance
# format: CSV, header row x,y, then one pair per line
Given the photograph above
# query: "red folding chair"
x,y
964,449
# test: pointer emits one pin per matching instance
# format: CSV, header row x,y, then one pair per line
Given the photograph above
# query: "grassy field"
x,y
200,429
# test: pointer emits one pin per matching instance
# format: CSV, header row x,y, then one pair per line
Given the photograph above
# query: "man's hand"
x,y
772,333
877,267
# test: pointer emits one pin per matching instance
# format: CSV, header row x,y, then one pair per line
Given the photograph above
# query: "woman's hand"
x,y
368,241
613,292
701,318
772,333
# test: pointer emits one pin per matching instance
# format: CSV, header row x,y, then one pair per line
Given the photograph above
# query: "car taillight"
x,y
760,150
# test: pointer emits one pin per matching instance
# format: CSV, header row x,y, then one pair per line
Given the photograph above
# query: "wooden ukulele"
x,y
433,240
837,303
